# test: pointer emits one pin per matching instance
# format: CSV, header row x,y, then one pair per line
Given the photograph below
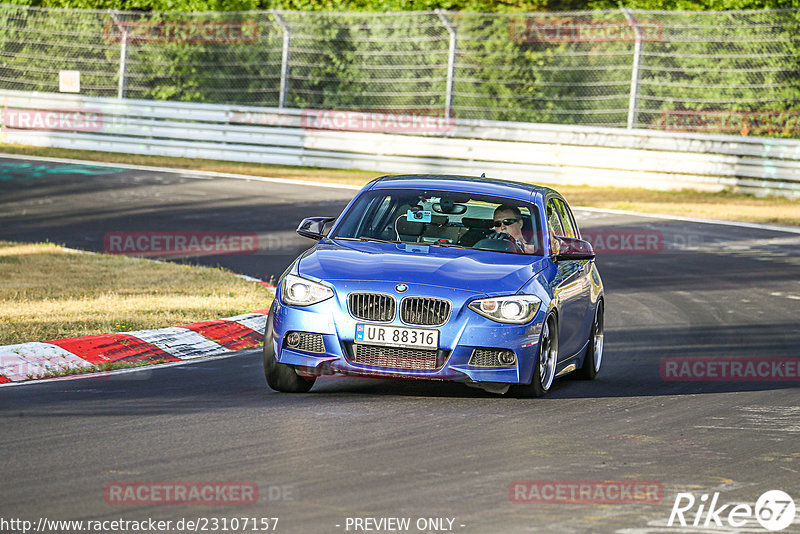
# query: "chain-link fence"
x,y
731,72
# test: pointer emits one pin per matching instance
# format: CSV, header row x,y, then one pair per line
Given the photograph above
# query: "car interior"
x,y
455,227
457,220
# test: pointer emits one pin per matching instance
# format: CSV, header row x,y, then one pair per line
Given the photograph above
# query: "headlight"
x,y
515,309
298,291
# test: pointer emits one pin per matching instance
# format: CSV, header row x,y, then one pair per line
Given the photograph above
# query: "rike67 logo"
x,y
774,510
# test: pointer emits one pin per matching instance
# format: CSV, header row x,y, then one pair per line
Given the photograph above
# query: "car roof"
x,y
463,184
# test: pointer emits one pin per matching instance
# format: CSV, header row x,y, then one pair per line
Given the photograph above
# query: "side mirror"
x,y
570,248
315,227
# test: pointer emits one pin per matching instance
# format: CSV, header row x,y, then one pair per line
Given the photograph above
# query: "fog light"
x,y
292,339
507,358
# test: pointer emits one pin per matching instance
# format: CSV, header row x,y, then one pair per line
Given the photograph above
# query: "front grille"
x,y
371,306
308,342
490,358
424,311
396,358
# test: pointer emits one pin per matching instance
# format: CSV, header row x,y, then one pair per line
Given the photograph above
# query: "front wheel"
x,y
594,351
280,376
545,370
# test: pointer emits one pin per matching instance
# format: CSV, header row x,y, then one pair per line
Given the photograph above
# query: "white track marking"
x,y
738,224
186,173
253,321
127,370
180,342
17,362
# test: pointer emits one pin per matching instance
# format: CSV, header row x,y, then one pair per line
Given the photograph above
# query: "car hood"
x,y
478,271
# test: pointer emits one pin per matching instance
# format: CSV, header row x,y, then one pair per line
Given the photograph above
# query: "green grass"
x,y
48,292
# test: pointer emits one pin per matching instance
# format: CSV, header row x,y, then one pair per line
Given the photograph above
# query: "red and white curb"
x,y
28,361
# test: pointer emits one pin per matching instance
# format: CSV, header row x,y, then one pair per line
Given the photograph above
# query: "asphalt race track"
x,y
359,448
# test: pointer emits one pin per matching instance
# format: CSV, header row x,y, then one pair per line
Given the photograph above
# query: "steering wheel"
x,y
501,242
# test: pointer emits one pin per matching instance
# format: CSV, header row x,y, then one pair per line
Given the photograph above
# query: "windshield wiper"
x,y
366,240
448,245
376,240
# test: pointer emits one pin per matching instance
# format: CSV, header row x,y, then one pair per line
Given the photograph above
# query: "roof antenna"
x,y
483,175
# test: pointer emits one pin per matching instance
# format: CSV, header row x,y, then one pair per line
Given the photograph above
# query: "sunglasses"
x,y
504,222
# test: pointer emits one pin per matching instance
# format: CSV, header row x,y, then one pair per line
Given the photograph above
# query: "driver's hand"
x,y
513,244
500,235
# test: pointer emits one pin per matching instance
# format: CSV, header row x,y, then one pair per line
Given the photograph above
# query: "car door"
x,y
571,285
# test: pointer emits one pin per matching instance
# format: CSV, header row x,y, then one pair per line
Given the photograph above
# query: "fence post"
x,y
451,61
123,54
287,36
638,49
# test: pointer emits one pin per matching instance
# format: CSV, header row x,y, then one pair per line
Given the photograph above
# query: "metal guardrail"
x,y
546,153
729,72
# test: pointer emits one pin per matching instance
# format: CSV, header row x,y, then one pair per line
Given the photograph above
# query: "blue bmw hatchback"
x,y
476,280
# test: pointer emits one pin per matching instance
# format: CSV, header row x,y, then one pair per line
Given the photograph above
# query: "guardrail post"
x,y
287,37
123,54
638,49
451,60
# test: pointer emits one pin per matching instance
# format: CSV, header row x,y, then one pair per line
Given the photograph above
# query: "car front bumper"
x,y
464,332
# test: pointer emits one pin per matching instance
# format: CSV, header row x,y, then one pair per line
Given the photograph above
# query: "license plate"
x,y
397,336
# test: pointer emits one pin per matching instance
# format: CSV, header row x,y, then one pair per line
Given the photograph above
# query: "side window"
x,y
553,222
567,221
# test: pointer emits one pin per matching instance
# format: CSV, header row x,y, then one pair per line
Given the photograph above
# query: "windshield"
x,y
447,219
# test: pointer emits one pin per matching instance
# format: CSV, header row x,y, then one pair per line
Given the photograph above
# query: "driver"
x,y
508,220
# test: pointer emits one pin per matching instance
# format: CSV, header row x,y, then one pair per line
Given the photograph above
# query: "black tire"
x,y
594,351
545,367
280,376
